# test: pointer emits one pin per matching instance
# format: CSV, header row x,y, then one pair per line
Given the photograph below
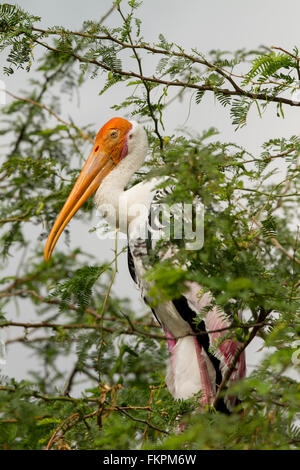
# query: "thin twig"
x,y
271,157
272,239
115,261
74,416
148,90
50,111
108,13
70,381
145,433
16,218
105,303
150,425
286,52
10,293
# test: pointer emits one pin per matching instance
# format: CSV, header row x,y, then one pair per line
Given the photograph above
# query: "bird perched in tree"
x,y
199,358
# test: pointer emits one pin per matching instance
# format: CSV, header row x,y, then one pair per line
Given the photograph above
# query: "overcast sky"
x,y
229,25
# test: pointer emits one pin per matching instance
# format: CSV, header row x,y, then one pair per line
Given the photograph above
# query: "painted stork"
x,y
197,363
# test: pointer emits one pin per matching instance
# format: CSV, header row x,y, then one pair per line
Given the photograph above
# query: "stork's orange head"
x,y
109,149
112,138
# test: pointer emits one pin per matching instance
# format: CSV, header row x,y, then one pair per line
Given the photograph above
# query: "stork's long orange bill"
x,y
110,147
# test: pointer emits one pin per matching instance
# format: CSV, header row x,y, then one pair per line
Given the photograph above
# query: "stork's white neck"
x,y
113,185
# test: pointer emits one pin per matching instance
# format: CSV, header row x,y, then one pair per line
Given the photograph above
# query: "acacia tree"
x,y
250,259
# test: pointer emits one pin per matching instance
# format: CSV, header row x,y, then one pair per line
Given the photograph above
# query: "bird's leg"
x,y
207,390
171,342
170,339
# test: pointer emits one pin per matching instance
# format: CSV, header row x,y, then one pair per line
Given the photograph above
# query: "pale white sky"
x,y
229,25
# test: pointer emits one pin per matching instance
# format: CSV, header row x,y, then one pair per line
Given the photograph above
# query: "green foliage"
x,y
268,65
239,111
79,286
99,383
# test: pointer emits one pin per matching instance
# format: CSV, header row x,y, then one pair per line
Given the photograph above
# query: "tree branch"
x,y
176,83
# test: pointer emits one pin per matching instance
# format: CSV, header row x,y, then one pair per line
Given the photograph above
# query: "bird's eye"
x,y
130,136
114,134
